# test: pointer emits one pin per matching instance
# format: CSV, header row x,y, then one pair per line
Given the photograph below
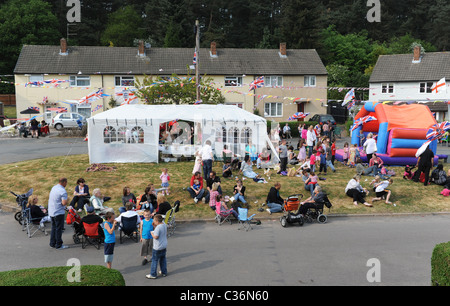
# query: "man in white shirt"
x,y
310,139
128,214
287,131
207,158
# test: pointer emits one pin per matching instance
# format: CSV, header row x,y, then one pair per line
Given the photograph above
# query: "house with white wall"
x,y
409,78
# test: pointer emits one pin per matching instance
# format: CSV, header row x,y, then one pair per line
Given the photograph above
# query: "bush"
x,y
57,276
440,265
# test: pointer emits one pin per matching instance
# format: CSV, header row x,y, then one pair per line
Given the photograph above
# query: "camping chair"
x,y
244,219
129,228
32,225
169,219
91,235
222,216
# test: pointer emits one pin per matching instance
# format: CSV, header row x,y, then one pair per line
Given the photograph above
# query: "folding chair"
x,y
91,235
32,225
169,220
244,219
129,228
223,216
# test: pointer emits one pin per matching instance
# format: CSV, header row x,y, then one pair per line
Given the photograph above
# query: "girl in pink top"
x,y
165,178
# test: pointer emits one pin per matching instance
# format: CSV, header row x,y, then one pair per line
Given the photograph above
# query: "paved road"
x,y
19,149
205,254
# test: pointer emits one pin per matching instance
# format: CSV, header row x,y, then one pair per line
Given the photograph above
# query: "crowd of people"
x,y
34,128
316,154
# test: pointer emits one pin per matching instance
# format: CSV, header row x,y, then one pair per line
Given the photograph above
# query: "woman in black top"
x,y
163,206
148,200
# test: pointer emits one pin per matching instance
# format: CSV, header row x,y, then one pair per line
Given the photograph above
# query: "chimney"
x,y
141,51
63,47
417,54
283,52
213,51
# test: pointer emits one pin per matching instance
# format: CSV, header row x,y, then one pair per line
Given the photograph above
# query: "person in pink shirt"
x,y
165,177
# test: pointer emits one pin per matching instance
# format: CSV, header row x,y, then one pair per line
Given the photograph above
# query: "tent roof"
x,y
181,112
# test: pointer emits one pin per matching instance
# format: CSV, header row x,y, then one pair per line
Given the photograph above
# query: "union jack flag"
x,y
195,57
362,120
259,82
438,130
298,116
349,97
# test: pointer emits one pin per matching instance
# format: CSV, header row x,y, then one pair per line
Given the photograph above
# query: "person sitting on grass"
x,y
196,195
381,191
274,201
356,191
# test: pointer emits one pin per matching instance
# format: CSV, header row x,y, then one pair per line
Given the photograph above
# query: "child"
x,y
196,186
145,229
333,150
345,155
110,238
375,182
312,161
226,170
302,151
198,163
408,174
223,207
159,235
165,178
352,156
323,162
311,182
381,191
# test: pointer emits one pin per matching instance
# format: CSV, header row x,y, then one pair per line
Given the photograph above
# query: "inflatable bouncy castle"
x,y
400,130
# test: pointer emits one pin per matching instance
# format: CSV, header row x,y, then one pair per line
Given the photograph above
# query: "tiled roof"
x,y
39,59
400,68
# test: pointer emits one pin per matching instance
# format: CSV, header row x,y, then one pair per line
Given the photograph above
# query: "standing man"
x,y
56,210
424,164
283,156
159,247
310,139
207,158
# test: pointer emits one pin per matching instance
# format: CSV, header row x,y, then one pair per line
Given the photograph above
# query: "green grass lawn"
x,y
42,174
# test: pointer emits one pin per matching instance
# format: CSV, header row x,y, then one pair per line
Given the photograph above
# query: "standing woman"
x,y
34,124
370,146
310,139
81,195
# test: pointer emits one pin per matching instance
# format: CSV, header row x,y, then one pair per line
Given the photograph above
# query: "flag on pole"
x,y
195,57
362,120
440,86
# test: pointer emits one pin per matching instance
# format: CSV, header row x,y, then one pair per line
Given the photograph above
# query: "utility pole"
x,y
197,49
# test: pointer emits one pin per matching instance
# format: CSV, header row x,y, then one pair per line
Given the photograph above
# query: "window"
x,y
273,109
36,78
80,81
83,110
221,134
387,88
137,135
109,134
233,81
246,135
310,81
123,135
426,87
233,139
273,81
124,81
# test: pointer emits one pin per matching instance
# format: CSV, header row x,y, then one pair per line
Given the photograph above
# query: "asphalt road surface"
x,y
338,253
20,149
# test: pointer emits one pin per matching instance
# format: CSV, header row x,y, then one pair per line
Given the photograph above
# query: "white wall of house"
x,y
405,91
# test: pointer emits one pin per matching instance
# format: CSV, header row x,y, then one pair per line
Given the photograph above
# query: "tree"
x,y
24,22
124,25
176,90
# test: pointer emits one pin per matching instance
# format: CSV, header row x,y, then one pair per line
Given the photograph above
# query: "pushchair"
x,y
291,211
316,213
22,201
74,219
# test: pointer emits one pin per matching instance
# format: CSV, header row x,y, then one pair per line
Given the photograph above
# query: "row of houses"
x,y
294,80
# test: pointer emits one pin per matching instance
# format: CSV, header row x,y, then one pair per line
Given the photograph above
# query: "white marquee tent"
x,y
131,133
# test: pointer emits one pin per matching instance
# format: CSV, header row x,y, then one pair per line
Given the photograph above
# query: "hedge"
x,y
90,275
440,265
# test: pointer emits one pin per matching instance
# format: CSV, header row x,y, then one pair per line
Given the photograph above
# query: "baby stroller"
x,y
291,212
74,219
22,201
316,213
